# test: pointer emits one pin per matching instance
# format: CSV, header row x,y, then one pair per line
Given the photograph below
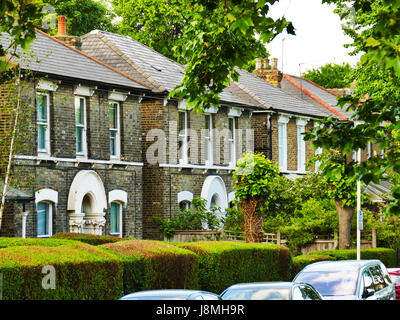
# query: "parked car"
x,y
271,291
394,274
171,294
349,279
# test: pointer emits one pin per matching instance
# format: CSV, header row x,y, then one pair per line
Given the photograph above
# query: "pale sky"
x,y
319,37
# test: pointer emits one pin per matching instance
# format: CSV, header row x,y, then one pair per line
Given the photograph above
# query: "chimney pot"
x,y
62,29
266,63
274,64
258,63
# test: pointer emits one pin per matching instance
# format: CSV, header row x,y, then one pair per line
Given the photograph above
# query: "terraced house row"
x,y
109,149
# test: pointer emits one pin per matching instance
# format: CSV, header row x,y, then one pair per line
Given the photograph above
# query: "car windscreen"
x,y
395,279
331,283
257,294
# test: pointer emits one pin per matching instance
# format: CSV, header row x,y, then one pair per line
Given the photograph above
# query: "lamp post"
x,y
359,213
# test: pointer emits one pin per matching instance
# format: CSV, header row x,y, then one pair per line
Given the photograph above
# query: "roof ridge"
x,y
109,43
313,83
143,45
314,97
93,59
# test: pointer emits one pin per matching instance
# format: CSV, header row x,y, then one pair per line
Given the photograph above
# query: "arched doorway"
x,y
214,191
87,203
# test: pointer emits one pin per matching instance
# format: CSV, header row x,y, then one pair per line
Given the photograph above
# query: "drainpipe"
x,y
24,216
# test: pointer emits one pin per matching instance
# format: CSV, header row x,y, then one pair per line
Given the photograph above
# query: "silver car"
x,y
349,279
171,294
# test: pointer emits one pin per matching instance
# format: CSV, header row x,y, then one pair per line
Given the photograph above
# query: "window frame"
x,y
282,144
49,219
117,132
119,233
46,151
83,153
232,141
208,140
183,151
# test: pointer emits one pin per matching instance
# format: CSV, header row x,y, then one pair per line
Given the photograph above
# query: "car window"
x,y
331,283
386,275
257,294
304,292
378,278
297,294
310,293
207,296
368,284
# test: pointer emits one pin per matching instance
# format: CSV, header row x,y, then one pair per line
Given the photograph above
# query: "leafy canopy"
x,y
330,75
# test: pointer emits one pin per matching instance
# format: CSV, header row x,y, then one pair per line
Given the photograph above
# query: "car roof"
x,y
165,293
343,265
275,284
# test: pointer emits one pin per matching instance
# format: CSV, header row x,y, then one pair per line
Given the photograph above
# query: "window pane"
x,y
42,218
41,137
79,112
42,108
79,136
181,122
115,217
114,116
113,144
231,128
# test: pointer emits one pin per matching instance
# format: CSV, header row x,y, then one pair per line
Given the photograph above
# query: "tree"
x,y
84,16
253,180
211,37
158,24
18,19
375,101
331,75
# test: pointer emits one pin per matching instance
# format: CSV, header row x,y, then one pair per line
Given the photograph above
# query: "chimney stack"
x,y
267,72
62,28
72,41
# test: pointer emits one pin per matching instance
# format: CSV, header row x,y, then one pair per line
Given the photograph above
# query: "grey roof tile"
x,y
162,72
272,97
47,55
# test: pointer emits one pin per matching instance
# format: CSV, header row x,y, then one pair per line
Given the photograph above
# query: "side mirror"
x,y
368,293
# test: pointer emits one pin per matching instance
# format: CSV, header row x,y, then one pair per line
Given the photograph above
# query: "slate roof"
x,y
270,97
15,194
145,63
319,94
51,56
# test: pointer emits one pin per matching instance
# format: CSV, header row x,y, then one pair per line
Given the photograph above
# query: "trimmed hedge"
x,y
387,256
299,262
155,265
82,271
224,263
94,240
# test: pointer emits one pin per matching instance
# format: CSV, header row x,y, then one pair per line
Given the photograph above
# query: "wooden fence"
x,y
368,239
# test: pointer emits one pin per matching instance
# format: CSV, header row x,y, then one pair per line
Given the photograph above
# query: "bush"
x,y
224,263
387,256
300,262
82,271
94,240
155,265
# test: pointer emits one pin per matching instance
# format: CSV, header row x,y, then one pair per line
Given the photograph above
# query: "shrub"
x,y
37,242
301,261
94,240
387,256
155,265
82,271
224,263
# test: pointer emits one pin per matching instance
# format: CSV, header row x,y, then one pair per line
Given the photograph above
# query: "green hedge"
x,y
387,256
299,262
155,265
224,263
94,240
82,271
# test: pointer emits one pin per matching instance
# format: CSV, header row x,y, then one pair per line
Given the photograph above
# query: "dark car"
x,y
171,294
395,276
349,279
271,291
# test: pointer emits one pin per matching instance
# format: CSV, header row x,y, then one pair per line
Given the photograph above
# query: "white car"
x,y
349,279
